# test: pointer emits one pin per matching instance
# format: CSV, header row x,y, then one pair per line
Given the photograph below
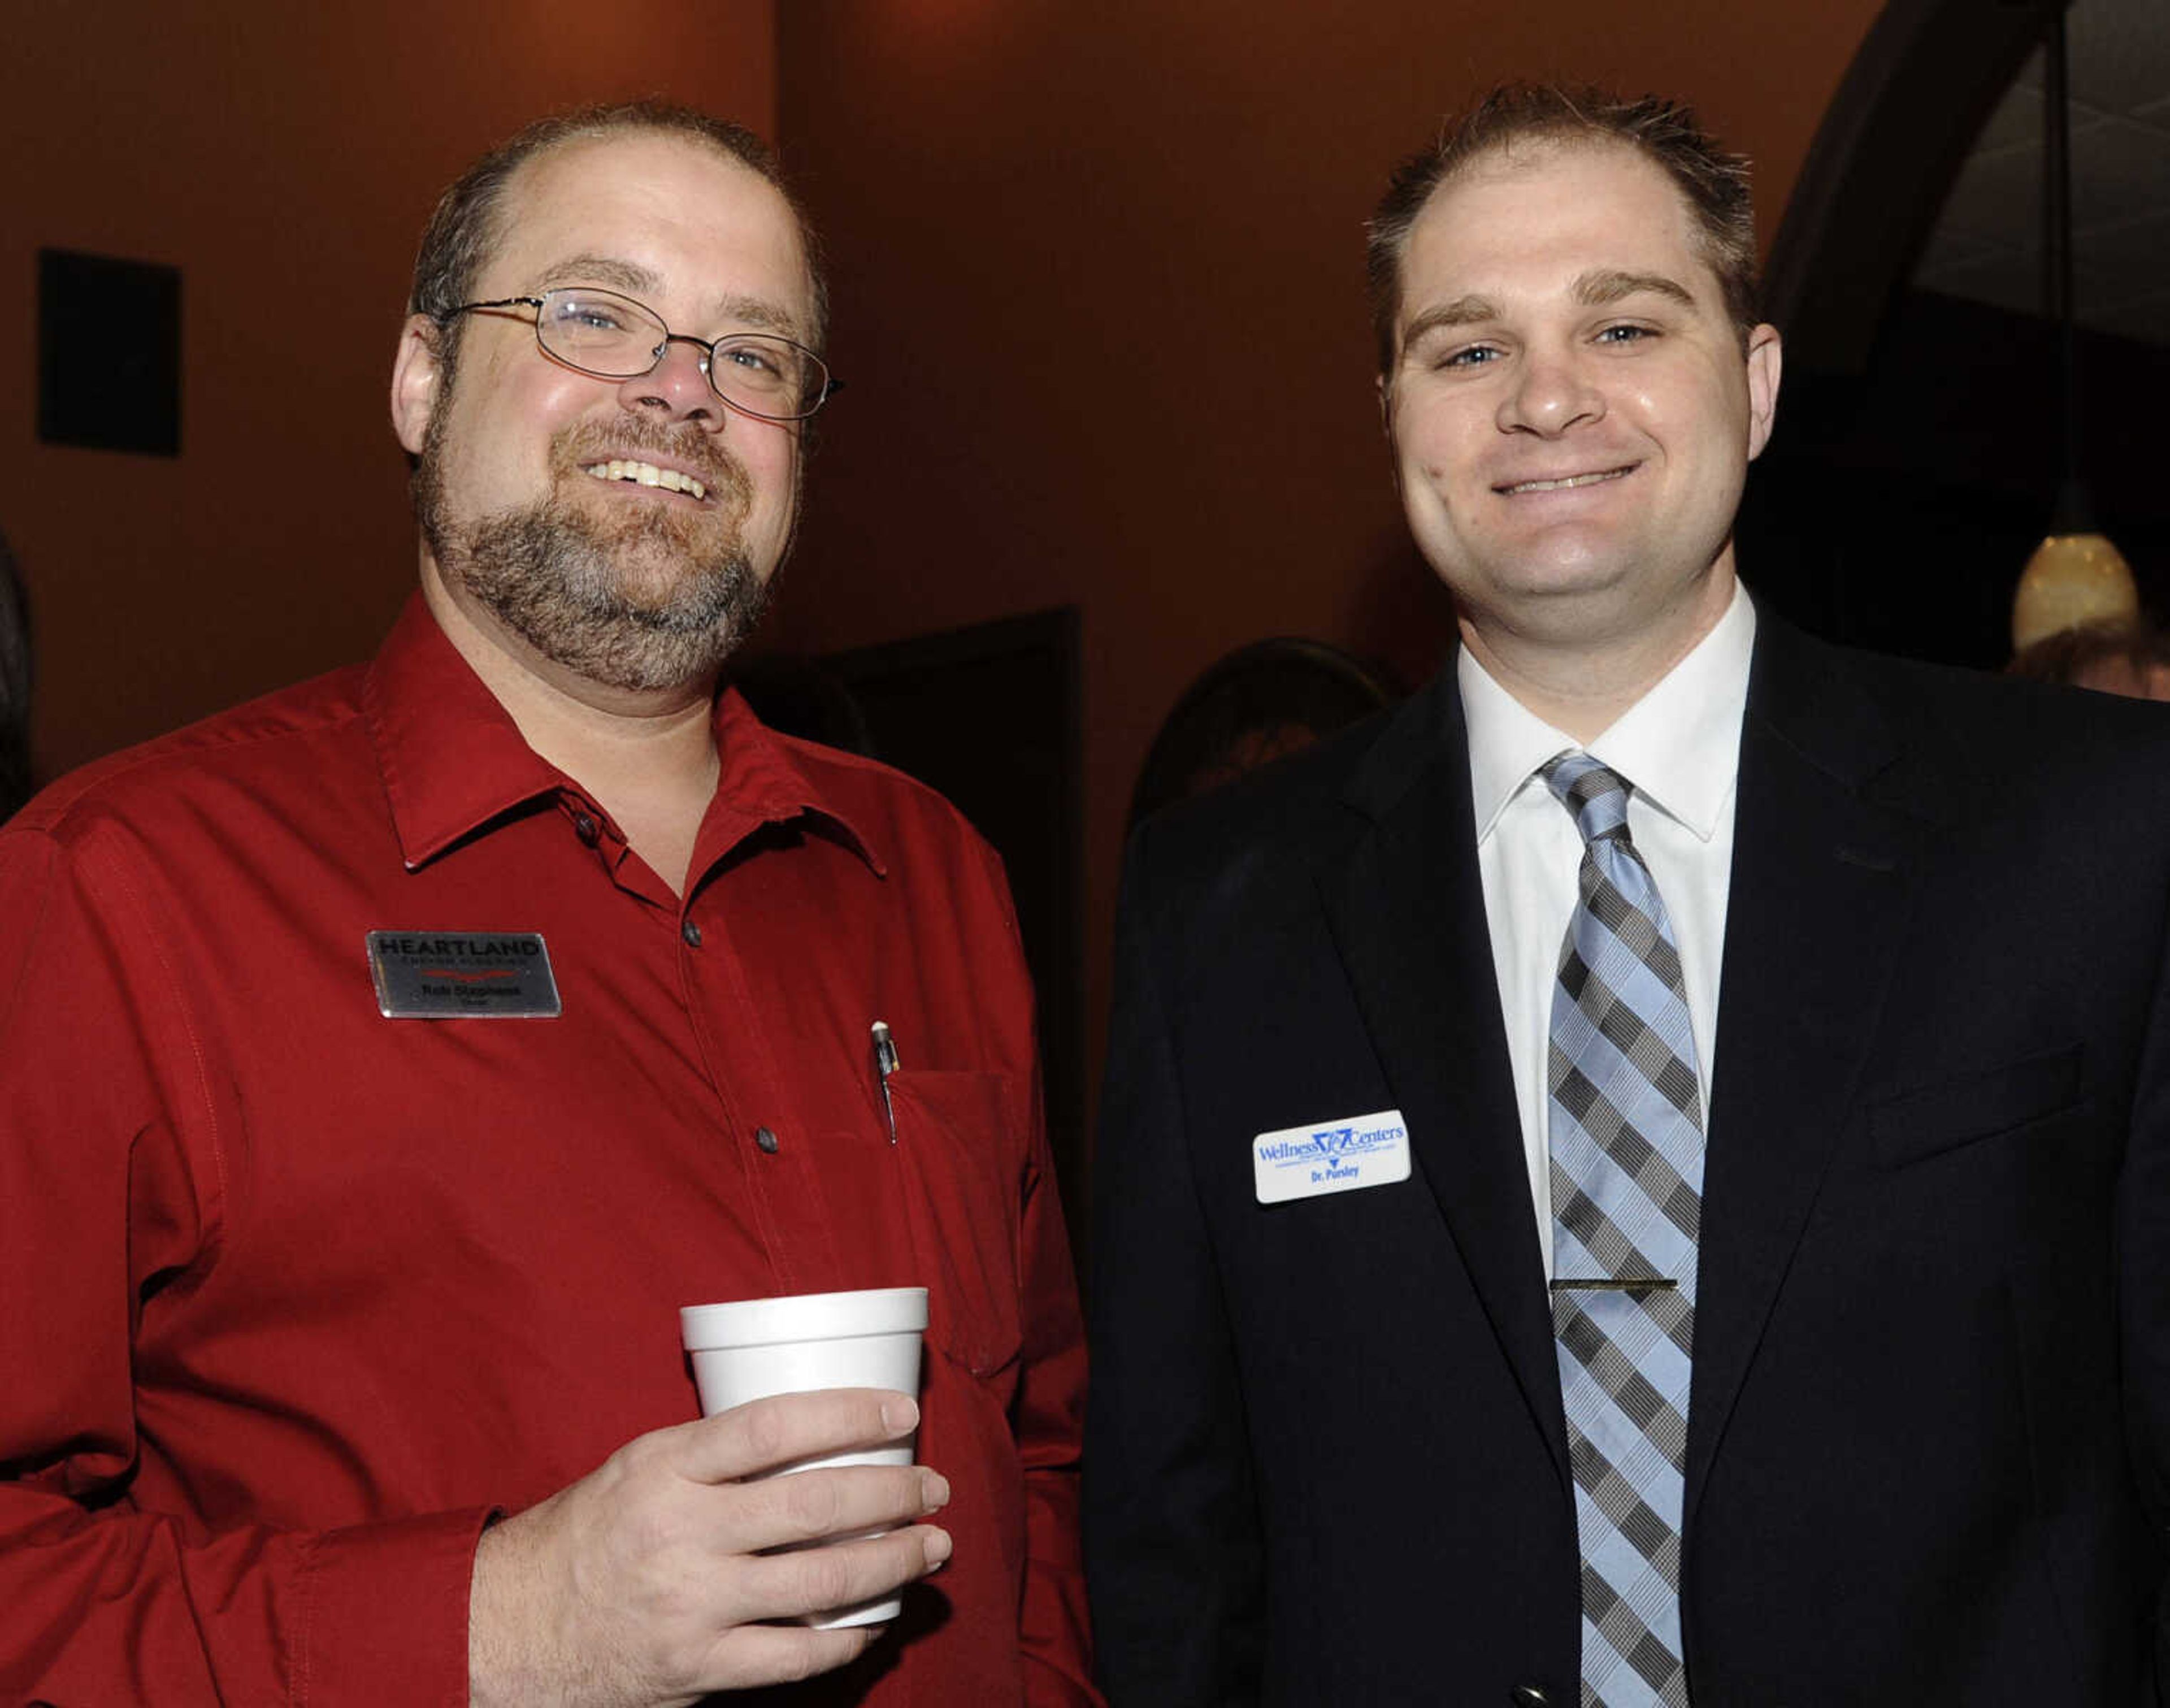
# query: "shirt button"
x,y
1529,1696
585,828
692,934
768,1142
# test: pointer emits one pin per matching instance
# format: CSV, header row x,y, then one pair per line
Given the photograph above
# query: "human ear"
x,y
1764,362
417,370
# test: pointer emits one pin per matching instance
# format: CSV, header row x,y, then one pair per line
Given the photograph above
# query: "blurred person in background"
x,y
2130,658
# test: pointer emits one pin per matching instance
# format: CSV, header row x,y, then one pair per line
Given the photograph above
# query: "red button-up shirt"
x,y
292,1294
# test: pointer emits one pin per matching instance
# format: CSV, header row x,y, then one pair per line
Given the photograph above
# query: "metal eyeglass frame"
x,y
829,386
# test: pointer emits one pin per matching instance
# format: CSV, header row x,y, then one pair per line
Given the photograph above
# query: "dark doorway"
x,y
988,715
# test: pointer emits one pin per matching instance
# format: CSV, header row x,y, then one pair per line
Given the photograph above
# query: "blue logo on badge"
x,y
1327,1153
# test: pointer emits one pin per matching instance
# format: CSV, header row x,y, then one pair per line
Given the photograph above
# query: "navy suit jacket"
x,y
1326,1461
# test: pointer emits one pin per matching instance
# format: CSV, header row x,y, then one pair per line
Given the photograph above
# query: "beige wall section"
x,y
1098,281
284,157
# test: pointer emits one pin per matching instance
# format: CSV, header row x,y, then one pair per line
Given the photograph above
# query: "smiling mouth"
x,y
646,474
1564,482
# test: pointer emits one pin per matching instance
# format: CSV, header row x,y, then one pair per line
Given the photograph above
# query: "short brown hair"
x,y
1713,182
2070,654
466,224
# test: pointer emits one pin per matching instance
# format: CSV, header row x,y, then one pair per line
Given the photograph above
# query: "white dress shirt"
x,y
1679,746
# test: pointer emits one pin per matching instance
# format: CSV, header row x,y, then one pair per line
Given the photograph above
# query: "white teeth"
x,y
1561,485
647,474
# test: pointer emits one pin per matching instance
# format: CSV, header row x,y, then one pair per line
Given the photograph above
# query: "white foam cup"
x,y
749,1349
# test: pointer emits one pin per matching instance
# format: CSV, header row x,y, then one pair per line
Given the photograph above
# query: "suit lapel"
x,y
1407,910
1822,883
1823,876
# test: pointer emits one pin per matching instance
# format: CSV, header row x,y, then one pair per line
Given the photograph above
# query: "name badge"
x,y
1333,1156
462,975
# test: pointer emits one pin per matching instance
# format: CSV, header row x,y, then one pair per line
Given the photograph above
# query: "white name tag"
x,y
1331,1156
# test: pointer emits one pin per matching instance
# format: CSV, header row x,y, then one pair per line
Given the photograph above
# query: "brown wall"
x,y
1098,303
285,158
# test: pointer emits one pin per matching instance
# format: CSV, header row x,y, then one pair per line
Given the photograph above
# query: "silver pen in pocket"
x,y
886,1065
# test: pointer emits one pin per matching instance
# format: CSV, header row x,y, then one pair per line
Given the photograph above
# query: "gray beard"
x,y
553,573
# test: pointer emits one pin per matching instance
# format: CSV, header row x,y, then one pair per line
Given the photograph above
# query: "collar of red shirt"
x,y
453,760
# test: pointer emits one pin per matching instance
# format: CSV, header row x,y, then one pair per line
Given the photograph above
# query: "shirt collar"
x,y
453,760
764,778
1679,745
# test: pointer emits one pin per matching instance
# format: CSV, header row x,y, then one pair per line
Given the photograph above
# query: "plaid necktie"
x,y
1626,1134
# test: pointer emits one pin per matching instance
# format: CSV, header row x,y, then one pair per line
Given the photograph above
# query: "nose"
x,y
677,388
1551,393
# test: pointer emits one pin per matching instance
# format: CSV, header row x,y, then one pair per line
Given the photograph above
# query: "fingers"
x,y
842,1574
666,1544
765,1434
844,1500
775,1654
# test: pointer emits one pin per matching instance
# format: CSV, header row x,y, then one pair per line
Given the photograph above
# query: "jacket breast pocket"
x,y
960,1159
1928,1119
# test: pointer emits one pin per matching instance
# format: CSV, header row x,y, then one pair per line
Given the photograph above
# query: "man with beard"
x,y
383,1064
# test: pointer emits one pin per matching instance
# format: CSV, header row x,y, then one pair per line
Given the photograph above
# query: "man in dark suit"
x,y
1643,1176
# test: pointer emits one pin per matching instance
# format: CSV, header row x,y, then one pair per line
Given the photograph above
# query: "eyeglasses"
x,y
613,337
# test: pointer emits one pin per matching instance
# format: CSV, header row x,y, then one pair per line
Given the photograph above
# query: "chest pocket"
x,y
1959,1111
960,1158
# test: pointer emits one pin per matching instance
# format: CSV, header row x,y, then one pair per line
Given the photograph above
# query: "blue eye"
x,y
765,368
584,317
587,312
1470,355
1625,335
749,361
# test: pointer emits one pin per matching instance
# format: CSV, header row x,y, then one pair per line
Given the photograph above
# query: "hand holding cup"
x,y
648,1584
753,1349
